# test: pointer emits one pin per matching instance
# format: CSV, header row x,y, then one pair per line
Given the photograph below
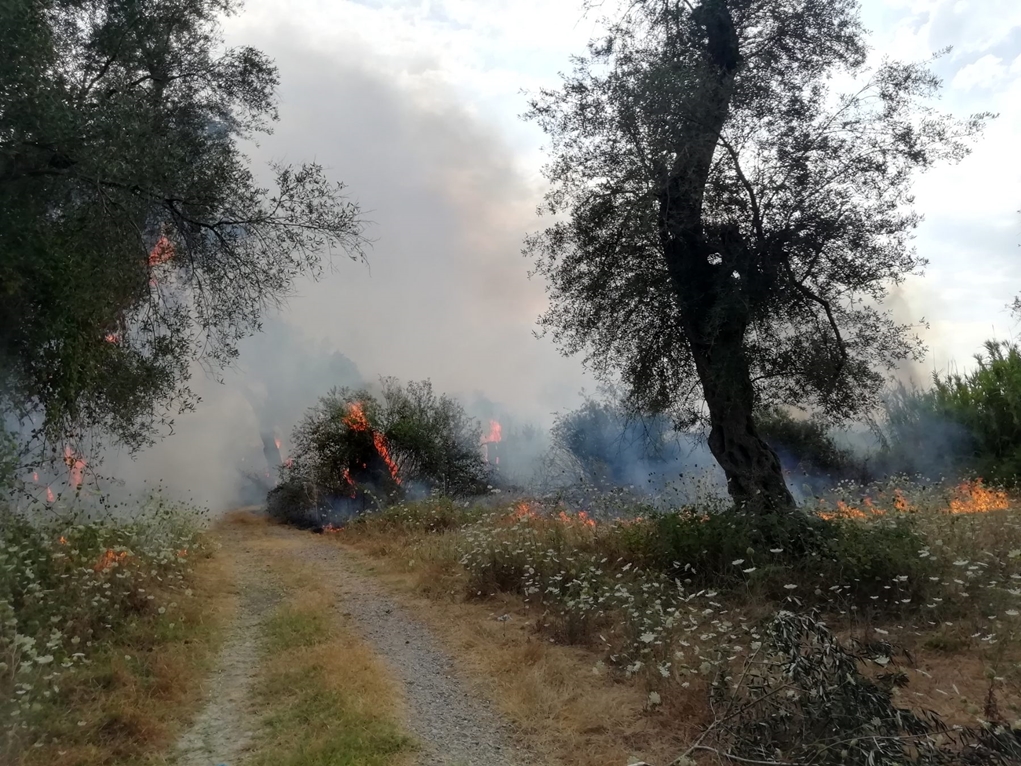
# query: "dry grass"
x,y
567,708
322,694
130,706
576,711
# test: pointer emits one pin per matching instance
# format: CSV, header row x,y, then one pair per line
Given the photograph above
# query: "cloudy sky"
x,y
415,105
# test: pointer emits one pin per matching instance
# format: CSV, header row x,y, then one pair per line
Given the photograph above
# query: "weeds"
x,y
86,608
671,599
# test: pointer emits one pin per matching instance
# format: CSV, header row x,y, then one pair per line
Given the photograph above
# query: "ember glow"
x,y
356,420
161,252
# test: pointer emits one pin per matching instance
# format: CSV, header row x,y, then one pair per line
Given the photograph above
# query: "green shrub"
x,y
964,424
808,443
356,451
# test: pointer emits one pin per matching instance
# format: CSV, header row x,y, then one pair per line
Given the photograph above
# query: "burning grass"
x,y
108,629
923,583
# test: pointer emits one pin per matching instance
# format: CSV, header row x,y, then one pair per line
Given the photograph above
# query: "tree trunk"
x,y
714,314
754,475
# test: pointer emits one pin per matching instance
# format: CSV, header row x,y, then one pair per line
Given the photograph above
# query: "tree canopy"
x,y
730,219
134,236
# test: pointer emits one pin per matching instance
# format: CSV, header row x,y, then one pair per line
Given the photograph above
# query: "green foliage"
x,y
69,591
133,235
987,403
723,234
807,441
965,423
356,450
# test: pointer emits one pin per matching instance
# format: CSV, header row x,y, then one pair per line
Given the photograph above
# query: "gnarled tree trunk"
x,y
714,316
754,475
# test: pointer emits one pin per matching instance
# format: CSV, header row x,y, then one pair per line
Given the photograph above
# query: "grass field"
x,y
630,621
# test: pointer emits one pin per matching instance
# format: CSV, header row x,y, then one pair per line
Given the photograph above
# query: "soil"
x,y
453,725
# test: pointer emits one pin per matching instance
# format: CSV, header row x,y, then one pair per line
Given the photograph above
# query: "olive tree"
x,y
729,220
134,236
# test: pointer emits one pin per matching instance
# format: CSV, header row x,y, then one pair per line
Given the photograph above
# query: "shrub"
x,y
968,423
354,451
806,445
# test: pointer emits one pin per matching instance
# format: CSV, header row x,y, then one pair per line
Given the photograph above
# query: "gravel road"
x,y
455,726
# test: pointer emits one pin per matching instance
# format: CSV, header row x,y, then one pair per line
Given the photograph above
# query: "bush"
x,y
964,424
806,445
355,451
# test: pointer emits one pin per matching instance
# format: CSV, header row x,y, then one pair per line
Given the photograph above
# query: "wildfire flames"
x,y
161,252
108,559
525,510
356,420
973,497
495,436
968,497
76,467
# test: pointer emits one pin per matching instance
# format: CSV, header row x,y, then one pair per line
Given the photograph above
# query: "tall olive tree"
x,y
729,221
133,235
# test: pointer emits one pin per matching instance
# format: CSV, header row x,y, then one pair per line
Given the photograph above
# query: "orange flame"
x,y
76,467
523,510
495,433
108,559
356,420
494,436
974,497
900,502
845,511
112,337
62,540
161,252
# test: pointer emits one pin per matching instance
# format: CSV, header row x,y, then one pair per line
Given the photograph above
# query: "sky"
x,y
415,105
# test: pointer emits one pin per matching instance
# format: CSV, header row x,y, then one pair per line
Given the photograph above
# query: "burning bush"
x,y
355,450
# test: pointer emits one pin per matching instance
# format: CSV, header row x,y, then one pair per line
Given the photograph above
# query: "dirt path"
x,y
224,728
453,725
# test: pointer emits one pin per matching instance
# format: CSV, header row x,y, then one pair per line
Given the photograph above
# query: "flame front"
x,y
161,252
495,436
974,497
356,420
76,467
